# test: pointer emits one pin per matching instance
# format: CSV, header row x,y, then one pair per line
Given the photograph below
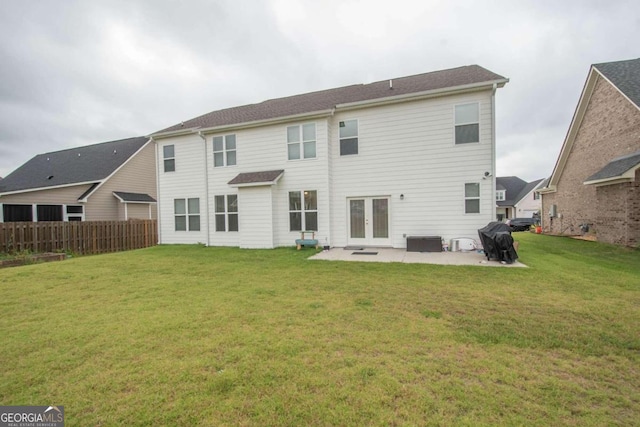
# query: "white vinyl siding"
x,y
405,148
187,182
408,149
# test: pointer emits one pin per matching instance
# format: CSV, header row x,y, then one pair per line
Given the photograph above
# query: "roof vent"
x,y
391,84
50,177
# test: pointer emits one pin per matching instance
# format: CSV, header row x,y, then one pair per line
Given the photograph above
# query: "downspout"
x,y
206,187
158,198
493,149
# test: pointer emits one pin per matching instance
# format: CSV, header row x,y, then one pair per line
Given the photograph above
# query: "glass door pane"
x,y
356,214
380,218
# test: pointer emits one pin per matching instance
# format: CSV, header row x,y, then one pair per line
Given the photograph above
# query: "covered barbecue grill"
x,y
497,242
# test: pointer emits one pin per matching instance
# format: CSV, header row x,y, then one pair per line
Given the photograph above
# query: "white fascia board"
x,y
273,121
422,95
31,190
576,121
130,201
547,190
86,198
173,133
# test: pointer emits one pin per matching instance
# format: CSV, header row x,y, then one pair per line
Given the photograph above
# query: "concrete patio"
x,y
401,255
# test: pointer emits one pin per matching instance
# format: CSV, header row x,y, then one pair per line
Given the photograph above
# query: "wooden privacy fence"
x,y
91,237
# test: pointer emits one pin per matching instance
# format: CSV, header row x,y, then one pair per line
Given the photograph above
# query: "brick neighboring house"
x,y
595,185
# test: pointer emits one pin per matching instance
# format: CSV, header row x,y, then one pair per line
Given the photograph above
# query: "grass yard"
x,y
188,335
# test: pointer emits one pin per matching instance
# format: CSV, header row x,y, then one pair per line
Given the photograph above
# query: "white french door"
x,y
368,221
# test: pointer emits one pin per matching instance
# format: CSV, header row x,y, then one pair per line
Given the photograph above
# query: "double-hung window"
x,y
471,197
301,141
169,155
348,137
303,210
224,150
467,123
226,212
187,214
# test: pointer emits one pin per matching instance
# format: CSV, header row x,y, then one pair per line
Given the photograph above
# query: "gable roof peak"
x,y
624,75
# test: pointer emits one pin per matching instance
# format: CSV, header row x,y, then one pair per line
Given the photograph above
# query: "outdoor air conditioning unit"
x,y
462,244
553,211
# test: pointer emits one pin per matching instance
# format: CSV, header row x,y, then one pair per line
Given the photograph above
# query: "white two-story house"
x,y
362,165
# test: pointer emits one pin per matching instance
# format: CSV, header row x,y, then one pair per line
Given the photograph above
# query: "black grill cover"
x,y
497,242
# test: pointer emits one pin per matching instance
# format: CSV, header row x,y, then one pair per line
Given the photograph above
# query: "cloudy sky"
x,y
79,72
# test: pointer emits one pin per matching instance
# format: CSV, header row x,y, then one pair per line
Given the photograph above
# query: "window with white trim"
x,y
303,210
471,197
169,154
301,141
187,214
536,195
226,212
224,150
74,213
467,123
348,137
501,195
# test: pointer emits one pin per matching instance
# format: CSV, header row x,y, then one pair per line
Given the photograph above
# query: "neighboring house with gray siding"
x,y
596,180
361,165
109,181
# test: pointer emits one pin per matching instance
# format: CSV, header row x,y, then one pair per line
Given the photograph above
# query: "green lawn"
x,y
188,335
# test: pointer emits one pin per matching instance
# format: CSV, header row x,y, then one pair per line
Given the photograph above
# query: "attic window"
x,y
501,195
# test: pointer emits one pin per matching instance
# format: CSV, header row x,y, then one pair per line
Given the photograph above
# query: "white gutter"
x,y
29,190
158,198
493,145
206,187
172,133
272,121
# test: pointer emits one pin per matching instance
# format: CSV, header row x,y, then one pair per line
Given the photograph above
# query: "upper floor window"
x,y
224,150
348,137
303,210
226,208
467,123
168,152
301,135
472,197
501,195
536,195
187,214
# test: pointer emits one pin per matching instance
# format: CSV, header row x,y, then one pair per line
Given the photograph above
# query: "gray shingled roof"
x,y
90,163
327,99
527,189
625,75
616,167
256,177
134,197
513,186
